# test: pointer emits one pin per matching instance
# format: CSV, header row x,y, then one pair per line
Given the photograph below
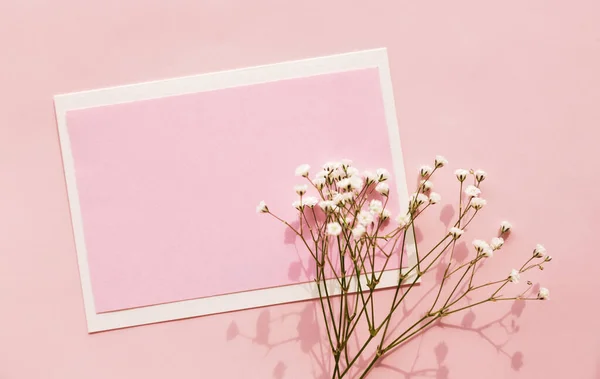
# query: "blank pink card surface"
x,y
168,186
163,190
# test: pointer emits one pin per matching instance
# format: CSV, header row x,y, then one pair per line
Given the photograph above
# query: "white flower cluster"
x,y
341,187
483,248
344,195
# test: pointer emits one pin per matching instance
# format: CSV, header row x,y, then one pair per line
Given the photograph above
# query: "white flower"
x,y
344,183
480,245
461,174
319,182
418,200
488,252
539,251
298,205
339,199
364,218
347,220
385,214
383,188
496,243
505,226
478,202
330,166
455,232
334,229
543,293
262,207
351,171
440,161
369,177
358,231
327,205
346,163
403,220
480,175
330,194
514,276
426,185
376,206
356,183
382,174
434,198
301,189
548,258
302,170
472,191
322,174
338,173
310,201
425,171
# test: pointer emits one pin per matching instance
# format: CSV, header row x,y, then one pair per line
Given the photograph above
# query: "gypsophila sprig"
x,y
426,171
426,185
301,189
310,201
461,174
383,188
478,203
514,276
358,231
472,191
403,221
440,161
480,245
496,243
382,174
505,227
434,198
369,177
334,229
385,215
376,206
480,175
365,218
262,207
539,251
455,232
302,170
319,182
418,199
342,221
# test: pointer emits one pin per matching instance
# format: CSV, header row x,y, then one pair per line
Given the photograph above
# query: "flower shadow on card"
x,y
298,270
279,370
461,252
447,215
289,236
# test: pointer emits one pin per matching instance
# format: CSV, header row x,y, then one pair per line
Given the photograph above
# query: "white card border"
x,y
376,58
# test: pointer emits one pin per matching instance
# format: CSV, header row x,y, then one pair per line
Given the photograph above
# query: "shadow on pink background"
x,y
510,87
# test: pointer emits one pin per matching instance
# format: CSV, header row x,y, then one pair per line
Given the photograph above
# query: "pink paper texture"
x,y
168,187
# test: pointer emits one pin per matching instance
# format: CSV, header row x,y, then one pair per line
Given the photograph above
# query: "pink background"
x,y
510,86
168,187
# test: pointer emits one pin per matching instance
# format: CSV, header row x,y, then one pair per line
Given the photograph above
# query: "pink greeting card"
x,y
164,178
